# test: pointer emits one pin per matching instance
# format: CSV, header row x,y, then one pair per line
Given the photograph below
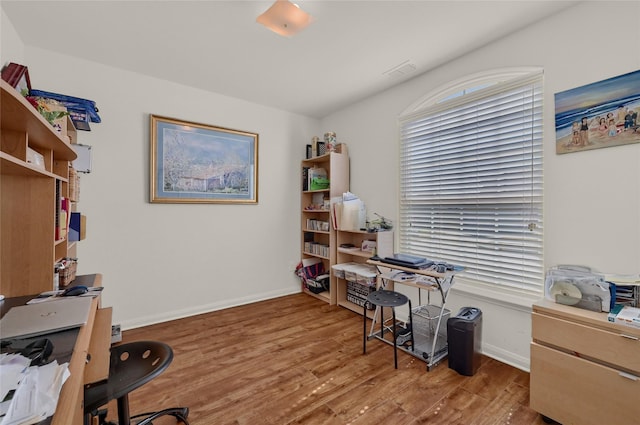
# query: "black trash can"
x,y
464,332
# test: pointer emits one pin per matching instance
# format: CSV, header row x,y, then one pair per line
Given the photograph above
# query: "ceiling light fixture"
x,y
285,18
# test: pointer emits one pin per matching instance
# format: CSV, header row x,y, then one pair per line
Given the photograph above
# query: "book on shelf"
x,y
305,178
317,178
336,211
65,216
77,227
62,216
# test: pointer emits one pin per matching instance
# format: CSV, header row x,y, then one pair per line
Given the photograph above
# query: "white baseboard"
x,y
506,357
187,312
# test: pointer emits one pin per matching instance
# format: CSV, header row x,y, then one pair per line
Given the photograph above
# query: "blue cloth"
x,y
75,103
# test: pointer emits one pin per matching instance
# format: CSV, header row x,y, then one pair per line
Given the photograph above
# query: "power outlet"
x,y
116,334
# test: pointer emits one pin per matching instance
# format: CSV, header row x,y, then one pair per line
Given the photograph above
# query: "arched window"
x,y
471,179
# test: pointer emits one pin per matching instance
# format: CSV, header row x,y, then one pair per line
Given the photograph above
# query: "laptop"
x,y
47,317
408,260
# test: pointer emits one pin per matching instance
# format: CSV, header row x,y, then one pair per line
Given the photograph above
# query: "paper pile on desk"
x,y
29,394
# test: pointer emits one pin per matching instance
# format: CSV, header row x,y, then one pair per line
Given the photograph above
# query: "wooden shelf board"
x,y
17,114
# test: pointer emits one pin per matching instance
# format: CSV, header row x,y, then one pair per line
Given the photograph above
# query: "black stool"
x,y
384,298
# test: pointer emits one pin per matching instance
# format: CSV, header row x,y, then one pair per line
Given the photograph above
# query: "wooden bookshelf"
x,y
28,196
336,165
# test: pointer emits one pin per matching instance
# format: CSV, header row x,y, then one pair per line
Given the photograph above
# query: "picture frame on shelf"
x,y
200,163
18,77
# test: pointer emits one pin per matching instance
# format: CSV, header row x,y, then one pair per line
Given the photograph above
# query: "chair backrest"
x,y
136,363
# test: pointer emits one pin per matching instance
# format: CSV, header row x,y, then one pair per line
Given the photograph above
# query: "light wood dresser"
x,y
584,369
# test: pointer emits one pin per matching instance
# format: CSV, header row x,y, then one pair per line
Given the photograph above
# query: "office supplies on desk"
x,y
431,280
625,315
578,286
48,296
43,318
74,291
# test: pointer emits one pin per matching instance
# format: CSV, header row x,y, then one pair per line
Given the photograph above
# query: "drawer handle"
x,y
629,376
635,338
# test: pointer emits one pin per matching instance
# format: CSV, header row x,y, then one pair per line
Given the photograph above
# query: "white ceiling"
x,y
217,45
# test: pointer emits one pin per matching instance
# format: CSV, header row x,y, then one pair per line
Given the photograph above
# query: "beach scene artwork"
x,y
598,115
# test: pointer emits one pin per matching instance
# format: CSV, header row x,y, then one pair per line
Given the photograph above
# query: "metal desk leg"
x,y
364,329
411,325
395,345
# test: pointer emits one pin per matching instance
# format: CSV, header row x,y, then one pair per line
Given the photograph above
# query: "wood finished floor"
x,y
297,360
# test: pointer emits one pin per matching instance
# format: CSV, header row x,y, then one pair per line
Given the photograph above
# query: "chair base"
x,y
180,413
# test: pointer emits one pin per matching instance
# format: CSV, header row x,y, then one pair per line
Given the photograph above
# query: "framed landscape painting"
x,y
598,115
199,163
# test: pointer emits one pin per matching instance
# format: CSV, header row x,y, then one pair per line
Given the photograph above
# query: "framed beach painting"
x,y
598,115
199,163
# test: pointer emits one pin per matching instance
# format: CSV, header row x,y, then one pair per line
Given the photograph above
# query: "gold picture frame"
x,y
194,163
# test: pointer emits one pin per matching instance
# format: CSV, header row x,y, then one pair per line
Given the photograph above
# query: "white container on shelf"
x,y
351,271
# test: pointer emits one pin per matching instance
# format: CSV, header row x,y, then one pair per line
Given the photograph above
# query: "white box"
x,y
369,245
628,316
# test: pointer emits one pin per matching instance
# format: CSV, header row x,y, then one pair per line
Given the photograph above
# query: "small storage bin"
x,y
318,284
425,328
357,293
366,276
67,274
351,272
425,319
338,270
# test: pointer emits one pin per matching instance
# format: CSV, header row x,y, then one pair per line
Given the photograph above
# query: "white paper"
x,y
37,390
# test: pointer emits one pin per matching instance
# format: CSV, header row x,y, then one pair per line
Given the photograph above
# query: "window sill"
x,y
504,297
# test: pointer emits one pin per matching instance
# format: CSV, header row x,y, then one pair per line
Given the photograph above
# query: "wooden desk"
x,y
441,282
88,359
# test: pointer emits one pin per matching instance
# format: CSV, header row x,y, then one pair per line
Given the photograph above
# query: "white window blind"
x,y
471,184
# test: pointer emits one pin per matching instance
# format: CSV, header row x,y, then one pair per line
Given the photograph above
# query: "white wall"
x,y
166,261
163,261
11,47
592,198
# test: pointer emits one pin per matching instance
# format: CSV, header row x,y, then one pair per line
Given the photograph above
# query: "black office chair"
x,y
131,366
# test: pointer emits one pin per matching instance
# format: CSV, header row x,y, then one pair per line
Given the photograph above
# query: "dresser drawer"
x,y
608,346
572,390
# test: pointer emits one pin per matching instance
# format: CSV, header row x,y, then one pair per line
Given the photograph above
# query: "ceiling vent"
x,y
404,69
